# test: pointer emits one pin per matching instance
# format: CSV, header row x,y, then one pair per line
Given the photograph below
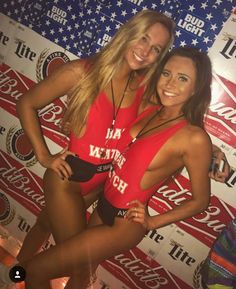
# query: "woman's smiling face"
x,y
177,81
147,49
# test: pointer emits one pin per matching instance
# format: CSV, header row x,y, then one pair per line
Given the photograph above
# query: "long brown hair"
x,y
105,64
197,105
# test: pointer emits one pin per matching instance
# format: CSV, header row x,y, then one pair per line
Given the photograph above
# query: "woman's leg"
x,y
35,238
63,197
90,247
41,231
87,274
84,276
65,211
65,206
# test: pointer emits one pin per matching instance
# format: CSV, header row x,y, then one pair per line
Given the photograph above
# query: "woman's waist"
x,y
119,194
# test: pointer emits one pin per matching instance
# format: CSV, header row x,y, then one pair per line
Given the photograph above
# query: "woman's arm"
x,y
196,157
56,85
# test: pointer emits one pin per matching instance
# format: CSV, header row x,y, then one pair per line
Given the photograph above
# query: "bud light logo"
x,y
192,24
58,15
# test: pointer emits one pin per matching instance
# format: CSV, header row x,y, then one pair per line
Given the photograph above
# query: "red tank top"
x,y
123,183
90,145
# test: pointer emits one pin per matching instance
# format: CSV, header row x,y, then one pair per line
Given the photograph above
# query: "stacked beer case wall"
x,y
36,36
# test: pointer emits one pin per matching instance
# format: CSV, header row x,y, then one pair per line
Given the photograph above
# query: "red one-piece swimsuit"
x,y
98,137
123,182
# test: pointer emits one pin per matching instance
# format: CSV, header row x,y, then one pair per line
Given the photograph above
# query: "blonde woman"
x,y
105,93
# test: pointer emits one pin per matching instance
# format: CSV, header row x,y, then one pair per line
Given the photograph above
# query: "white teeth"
x,y
169,93
137,57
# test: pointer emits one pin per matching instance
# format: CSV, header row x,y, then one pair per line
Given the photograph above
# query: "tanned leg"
x,y
35,238
90,246
65,206
66,210
41,231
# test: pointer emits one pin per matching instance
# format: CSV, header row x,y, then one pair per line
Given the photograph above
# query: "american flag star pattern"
x,y
83,27
199,23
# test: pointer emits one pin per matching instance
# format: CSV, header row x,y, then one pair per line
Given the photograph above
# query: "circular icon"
x,y
17,274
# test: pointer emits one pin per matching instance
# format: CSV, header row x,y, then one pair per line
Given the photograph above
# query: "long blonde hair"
x,y
106,63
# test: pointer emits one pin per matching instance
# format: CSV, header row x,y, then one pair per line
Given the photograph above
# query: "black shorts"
x,y
83,171
107,212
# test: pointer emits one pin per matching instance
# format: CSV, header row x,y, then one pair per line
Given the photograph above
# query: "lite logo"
x,y
229,50
179,254
23,50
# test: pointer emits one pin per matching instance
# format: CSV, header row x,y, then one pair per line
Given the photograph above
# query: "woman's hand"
x,y
220,166
58,164
138,212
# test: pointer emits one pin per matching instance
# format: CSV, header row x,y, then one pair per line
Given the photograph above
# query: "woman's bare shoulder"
x,y
67,75
195,136
76,67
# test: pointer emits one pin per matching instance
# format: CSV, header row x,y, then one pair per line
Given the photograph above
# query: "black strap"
x,y
115,112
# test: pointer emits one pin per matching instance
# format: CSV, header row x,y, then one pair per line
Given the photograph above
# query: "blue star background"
x,y
83,27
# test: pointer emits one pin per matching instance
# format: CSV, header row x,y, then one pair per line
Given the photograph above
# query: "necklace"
x,y
143,132
115,111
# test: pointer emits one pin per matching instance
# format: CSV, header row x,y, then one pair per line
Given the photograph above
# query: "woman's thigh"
x,y
92,246
64,205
